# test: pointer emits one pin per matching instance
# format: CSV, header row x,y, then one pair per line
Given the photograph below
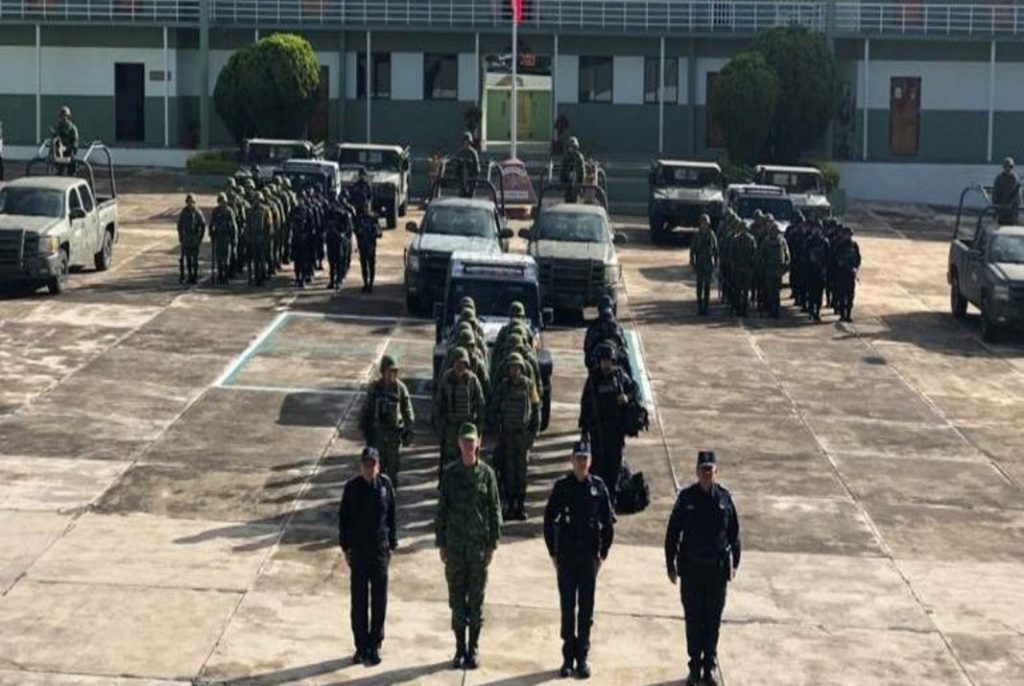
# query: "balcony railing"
x,y
100,11
928,19
715,16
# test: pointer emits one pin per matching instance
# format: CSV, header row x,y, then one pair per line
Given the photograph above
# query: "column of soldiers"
x,y
822,260
257,231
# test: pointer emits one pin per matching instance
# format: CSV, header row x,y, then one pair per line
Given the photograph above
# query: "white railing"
x,y
716,16
928,19
113,11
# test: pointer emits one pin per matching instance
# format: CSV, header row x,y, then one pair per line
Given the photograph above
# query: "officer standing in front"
x,y
467,530
578,530
366,532
702,550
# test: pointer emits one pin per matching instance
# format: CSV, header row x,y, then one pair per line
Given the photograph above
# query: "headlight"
x,y
611,273
1001,292
50,245
413,263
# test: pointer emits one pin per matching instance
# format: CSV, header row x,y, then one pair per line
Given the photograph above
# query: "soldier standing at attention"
x,y
846,257
67,133
334,237
459,400
606,393
388,417
579,526
367,233
367,534
573,170
468,160
222,235
704,259
191,229
257,225
516,416
702,550
467,530
1006,194
773,256
742,255
816,256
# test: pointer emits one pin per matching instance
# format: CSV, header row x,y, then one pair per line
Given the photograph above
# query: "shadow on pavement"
x,y
296,675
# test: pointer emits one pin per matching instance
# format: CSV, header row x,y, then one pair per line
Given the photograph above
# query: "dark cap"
x,y
606,351
706,458
370,454
581,448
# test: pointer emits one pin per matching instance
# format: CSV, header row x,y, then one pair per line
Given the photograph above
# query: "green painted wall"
x,y
607,128
94,116
1008,135
427,125
17,35
945,136
19,116
102,37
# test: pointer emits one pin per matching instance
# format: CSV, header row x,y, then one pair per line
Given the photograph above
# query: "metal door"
x,y
904,115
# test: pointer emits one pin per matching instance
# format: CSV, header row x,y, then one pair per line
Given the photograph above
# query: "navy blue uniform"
x,y
702,546
601,418
366,531
579,527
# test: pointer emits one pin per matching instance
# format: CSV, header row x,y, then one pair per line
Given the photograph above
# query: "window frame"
x,y
430,85
595,62
671,96
378,59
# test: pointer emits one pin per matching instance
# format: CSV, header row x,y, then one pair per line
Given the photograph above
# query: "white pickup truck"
x,y
51,224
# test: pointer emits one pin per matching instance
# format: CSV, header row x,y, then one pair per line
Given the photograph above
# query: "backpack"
x,y
634,493
635,418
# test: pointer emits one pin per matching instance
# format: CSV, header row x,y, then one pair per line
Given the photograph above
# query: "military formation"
x,y
821,258
258,229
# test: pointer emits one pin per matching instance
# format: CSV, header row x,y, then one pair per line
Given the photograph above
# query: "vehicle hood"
x,y
34,224
433,242
567,250
694,195
376,178
1010,272
801,200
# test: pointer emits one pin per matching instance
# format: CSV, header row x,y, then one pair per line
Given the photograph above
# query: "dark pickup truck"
x,y
986,265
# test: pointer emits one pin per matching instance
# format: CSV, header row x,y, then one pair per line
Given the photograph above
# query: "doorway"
x,y
534,98
130,102
316,128
904,115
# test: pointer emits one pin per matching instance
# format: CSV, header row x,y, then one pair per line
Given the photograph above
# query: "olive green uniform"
x,y
457,401
516,418
387,421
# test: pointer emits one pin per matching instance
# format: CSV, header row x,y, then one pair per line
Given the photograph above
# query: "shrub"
x,y
212,163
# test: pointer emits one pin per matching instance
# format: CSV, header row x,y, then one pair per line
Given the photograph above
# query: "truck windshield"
x,y
373,160
796,182
32,202
303,180
577,228
460,220
1007,249
264,153
690,177
780,208
493,298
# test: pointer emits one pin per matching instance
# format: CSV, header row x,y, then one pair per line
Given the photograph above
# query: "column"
x,y
167,94
39,85
204,74
661,97
342,72
864,101
691,93
991,97
369,86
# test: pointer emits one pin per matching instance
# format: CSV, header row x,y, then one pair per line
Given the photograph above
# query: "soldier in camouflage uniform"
x,y
742,256
465,340
388,417
191,229
704,259
223,230
773,258
459,399
467,530
257,227
515,416
573,170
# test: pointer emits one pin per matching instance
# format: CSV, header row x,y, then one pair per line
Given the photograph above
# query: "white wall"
x,y
407,76
684,80
705,65
469,77
18,70
627,80
935,184
91,72
568,81
351,65
944,85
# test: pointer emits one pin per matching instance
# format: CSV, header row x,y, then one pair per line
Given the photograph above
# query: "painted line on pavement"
x,y
638,368
228,376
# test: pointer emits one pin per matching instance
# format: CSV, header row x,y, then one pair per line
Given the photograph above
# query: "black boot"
x,y
460,649
582,666
694,677
712,677
567,654
472,660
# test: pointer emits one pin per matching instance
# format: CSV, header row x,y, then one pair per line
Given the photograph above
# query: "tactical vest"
x,y
460,402
516,413
387,408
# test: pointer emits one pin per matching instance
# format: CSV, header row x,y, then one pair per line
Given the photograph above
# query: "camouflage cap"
x,y
221,199
467,136
467,301
388,362
460,354
466,338
574,142
516,309
515,339
516,360
468,432
466,314
190,199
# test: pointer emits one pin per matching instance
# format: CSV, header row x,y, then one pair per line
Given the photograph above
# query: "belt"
x,y
708,560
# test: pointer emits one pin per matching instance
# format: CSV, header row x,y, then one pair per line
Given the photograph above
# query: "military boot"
x,y
582,666
694,677
711,673
460,649
472,660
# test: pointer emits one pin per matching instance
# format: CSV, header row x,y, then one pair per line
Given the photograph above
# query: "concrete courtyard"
x,y
171,460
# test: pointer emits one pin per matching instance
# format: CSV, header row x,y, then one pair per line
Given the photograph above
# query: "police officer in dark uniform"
x,y
578,529
702,550
366,531
606,393
367,233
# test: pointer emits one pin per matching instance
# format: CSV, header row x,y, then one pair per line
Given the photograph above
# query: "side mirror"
x,y
548,316
438,310
412,227
505,234
77,213
525,234
620,238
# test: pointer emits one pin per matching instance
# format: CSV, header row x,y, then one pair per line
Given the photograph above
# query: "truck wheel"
x,y
989,329
957,302
57,283
545,409
105,257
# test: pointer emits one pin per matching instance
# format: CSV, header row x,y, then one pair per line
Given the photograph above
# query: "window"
x,y
714,130
440,77
380,75
595,79
74,202
651,79
904,115
86,198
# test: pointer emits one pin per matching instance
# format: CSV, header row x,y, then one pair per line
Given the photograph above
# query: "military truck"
x,y
747,198
574,247
681,191
495,281
322,174
804,185
986,265
50,225
388,167
263,156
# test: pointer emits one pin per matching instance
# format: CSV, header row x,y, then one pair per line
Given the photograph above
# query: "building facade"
x,y
922,81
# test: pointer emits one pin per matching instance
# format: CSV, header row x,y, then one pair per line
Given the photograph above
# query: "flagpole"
x,y
514,108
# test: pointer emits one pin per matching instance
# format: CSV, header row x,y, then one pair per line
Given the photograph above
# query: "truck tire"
x,y
957,302
989,329
57,283
105,257
545,409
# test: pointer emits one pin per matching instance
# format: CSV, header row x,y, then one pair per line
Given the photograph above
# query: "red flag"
x,y
517,11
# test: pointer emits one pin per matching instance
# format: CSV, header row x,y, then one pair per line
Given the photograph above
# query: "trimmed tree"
x,y
809,88
745,97
269,89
